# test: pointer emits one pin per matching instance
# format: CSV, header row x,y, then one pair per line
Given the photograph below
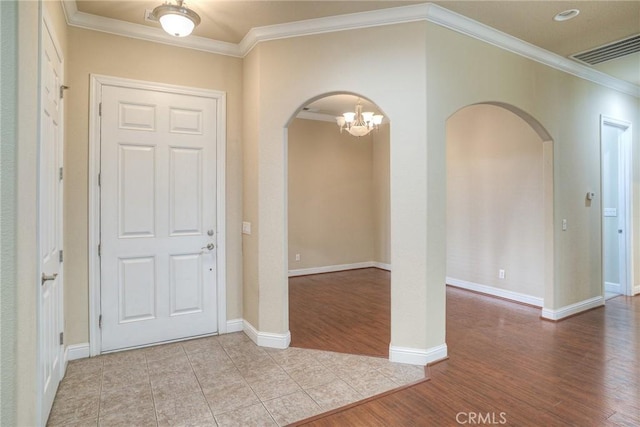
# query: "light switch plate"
x,y
246,227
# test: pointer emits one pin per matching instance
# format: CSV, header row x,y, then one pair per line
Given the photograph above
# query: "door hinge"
x,y
60,255
99,179
62,89
99,249
100,109
60,174
100,321
61,338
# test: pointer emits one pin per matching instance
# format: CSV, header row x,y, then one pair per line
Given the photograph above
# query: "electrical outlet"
x,y
297,257
501,274
564,225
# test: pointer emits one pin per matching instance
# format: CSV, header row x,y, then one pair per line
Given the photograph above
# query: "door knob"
x,y
46,278
210,246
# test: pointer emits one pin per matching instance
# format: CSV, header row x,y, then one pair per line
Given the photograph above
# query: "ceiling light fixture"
x,y
359,123
176,19
566,15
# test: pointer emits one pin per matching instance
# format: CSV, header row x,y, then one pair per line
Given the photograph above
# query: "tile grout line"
x,y
153,397
193,371
100,393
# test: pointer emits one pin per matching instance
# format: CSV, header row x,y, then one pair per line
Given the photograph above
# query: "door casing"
x,y
97,81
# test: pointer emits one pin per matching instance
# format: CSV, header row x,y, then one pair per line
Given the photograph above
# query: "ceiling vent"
x,y
609,51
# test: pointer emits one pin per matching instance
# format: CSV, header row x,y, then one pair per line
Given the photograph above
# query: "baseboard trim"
x,y
636,290
417,356
496,292
235,325
340,267
612,287
267,339
572,309
76,351
382,265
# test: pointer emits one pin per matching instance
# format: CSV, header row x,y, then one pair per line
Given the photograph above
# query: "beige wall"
x,y
463,71
495,206
452,71
381,195
389,68
27,259
330,195
106,54
251,114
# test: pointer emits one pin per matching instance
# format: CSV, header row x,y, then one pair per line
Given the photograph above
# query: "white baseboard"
x,y
613,287
330,268
382,265
417,356
76,351
572,309
235,325
267,339
636,290
340,267
497,292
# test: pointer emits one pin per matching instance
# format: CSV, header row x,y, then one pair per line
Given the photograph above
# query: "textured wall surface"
x,y
8,136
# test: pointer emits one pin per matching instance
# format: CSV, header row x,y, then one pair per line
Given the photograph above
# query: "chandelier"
x,y
359,123
176,19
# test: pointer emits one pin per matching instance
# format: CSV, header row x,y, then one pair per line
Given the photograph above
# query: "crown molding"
x,y
421,12
330,24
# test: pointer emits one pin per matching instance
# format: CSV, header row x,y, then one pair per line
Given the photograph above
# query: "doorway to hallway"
x,y
615,139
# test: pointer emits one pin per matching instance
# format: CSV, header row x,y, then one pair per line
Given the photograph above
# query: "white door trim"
x,y
625,146
97,81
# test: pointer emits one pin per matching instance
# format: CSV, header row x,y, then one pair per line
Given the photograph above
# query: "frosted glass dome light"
x,y
176,19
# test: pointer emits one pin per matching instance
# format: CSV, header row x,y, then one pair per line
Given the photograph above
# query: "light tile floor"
x,y
224,380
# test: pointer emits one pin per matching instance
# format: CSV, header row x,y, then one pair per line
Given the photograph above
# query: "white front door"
x,y
50,223
158,216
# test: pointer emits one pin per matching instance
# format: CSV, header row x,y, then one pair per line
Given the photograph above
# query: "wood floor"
x,y
323,314
509,367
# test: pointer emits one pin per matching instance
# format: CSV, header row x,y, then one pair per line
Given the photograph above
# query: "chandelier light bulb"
x,y
349,117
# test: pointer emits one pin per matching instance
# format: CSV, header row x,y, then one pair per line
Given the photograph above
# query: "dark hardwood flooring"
x,y
506,366
323,314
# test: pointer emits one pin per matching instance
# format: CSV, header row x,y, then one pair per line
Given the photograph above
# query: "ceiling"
x,y
599,22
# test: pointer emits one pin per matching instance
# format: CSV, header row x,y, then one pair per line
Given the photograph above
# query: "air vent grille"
x,y
610,51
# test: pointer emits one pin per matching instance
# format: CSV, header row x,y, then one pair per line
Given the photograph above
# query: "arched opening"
x,y
338,229
500,203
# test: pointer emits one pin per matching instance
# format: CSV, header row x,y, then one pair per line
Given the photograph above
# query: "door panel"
x,y
185,199
158,200
136,289
136,190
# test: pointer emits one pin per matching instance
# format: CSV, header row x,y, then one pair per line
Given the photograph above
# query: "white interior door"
x,y
158,217
615,200
50,223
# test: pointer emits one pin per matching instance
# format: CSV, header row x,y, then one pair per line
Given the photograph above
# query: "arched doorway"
x,y
500,203
338,217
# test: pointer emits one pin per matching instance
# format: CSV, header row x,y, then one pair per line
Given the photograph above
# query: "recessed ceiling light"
x,y
566,15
